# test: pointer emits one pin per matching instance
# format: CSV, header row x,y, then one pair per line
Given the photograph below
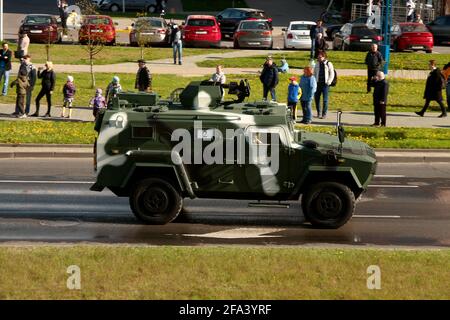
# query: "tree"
x,y
94,45
86,7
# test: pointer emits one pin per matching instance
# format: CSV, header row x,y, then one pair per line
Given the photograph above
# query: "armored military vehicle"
x,y
199,143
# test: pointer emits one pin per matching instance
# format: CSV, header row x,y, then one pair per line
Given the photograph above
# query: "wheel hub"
x,y
329,204
155,200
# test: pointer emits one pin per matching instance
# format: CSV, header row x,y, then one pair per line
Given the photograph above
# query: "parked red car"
x,y
411,36
201,30
42,28
97,28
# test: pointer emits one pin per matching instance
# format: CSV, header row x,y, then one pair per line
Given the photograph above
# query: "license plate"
x,y
303,37
98,31
417,47
36,31
365,40
201,32
254,43
147,33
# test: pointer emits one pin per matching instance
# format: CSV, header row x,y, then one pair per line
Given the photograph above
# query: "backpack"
x,y
334,82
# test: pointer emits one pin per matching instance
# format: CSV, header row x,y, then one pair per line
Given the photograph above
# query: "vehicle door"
x,y
226,20
440,27
267,160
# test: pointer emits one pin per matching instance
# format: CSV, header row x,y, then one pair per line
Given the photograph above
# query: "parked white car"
x,y
296,36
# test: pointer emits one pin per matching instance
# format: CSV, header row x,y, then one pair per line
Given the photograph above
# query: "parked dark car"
x,y
42,28
230,18
357,37
149,31
332,29
440,28
253,34
411,36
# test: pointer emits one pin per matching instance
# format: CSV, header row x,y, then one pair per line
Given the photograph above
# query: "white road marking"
x,y
391,186
389,176
376,216
47,181
239,233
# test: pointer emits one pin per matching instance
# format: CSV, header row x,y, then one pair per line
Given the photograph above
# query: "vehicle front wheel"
x,y
155,201
328,205
429,51
114,8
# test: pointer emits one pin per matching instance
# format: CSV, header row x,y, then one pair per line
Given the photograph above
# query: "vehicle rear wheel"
x,y
114,8
429,51
328,205
155,201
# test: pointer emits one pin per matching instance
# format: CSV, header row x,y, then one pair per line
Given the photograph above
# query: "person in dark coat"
x,y
269,79
318,28
5,66
433,90
48,77
380,95
143,78
27,67
374,61
320,45
22,85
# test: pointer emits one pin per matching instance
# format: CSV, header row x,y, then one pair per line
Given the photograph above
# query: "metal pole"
x,y
387,35
1,20
123,6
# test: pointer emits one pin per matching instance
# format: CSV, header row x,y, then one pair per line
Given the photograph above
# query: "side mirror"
x,y
183,23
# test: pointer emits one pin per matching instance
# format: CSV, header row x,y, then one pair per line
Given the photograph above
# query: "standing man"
x,y
5,66
324,74
446,73
411,9
380,94
433,89
28,68
269,79
374,61
48,77
21,84
22,44
143,77
313,34
62,5
177,45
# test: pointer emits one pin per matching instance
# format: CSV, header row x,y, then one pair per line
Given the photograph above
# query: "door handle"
x,y
226,182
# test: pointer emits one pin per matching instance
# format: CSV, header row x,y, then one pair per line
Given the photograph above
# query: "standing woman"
x,y
48,77
308,84
446,73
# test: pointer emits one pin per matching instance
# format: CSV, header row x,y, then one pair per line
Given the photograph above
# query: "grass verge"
x,y
216,5
60,132
222,273
340,59
348,95
76,54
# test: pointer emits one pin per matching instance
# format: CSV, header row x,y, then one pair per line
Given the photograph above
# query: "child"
x,y
113,89
69,93
293,93
98,102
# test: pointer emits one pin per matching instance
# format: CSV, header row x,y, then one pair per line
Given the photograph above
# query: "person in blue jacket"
x,y
293,90
308,85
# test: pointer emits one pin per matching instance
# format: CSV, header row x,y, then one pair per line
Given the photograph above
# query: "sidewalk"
x,y
86,151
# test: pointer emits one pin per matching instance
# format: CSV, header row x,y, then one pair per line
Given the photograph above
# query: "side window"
x,y
447,23
226,14
440,21
237,14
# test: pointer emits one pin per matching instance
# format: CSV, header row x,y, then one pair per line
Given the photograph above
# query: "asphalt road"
x,y
47,200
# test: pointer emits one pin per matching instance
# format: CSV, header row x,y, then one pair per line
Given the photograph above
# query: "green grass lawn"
x,y
63,132
349,94
76,54
109,272
216,5
340,59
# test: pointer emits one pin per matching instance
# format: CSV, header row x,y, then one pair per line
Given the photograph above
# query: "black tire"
x,y
114,8
155,201
328,205
151,8
429,51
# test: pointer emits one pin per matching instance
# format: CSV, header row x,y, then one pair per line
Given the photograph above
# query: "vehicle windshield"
x,y
364,31
97,21
301,27
38,20
149,23
414,28
255,14
254,25
200,22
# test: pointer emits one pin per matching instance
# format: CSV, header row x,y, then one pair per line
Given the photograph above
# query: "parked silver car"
x,y
253,34
132,5
149,30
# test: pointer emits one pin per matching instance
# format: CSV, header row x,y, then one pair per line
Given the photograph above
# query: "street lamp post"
x,y
123,6
1,20
386,28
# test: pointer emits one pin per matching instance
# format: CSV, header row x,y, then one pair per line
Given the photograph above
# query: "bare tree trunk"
x,y
91,60
47,50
